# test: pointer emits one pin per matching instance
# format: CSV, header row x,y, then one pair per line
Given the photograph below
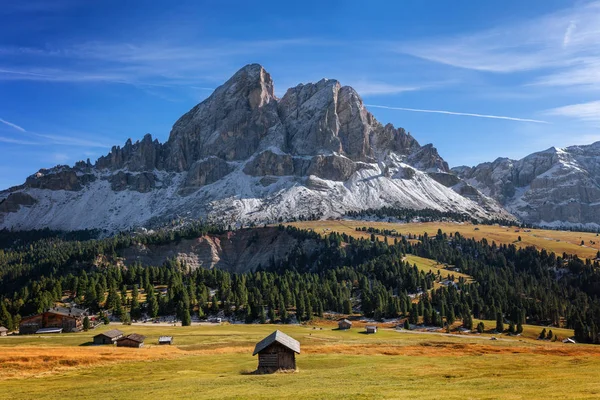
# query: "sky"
x,y
478,79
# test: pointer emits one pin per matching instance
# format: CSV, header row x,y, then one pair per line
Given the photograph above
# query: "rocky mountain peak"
x,y
244,155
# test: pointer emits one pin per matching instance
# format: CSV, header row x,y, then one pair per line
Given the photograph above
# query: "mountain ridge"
x,y
243,155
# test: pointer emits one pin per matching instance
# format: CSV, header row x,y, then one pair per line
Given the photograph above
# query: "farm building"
x,y
3,331
68,319
344,324
371,328
132,340
569,341
276,352
165,340
108,337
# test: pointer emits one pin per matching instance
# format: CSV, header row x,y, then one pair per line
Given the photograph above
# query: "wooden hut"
x,y
3,331
344,324
276,352
132,340
371,328
108,337
165,340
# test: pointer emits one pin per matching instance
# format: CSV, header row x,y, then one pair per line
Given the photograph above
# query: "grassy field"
x,y
556,241
214,362
426,265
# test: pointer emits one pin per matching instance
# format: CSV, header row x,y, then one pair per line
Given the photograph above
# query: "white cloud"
x,y
17,141
366,88
12,125
563,47
587,112
459,113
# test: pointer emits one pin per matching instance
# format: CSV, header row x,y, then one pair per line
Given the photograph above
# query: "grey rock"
x,y
15,201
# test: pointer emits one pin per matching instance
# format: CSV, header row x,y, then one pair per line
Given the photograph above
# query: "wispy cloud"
x,y
12,125
366,88
150,63
587,112
17,141
563,47
459,113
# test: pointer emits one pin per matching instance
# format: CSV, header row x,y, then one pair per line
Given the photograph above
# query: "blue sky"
x,y
78,77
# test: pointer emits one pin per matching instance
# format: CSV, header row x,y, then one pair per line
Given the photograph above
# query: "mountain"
x,y
555,187
243,155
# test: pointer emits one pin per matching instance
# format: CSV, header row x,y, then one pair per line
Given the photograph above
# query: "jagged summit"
x,y
244,155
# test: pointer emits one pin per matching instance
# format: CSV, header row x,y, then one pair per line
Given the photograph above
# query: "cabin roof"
x,y
280,338
49,330
113,333
345,320
165,338
371,327
135,337
69,312
3,329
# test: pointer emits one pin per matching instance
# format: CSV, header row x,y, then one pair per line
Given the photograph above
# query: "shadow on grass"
x,y
269,372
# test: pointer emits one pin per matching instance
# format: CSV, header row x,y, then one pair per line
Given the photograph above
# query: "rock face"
x,y
555,187
243,155
230,252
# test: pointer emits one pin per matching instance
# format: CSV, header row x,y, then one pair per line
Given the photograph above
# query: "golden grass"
x,y
556,241
427,264
214,362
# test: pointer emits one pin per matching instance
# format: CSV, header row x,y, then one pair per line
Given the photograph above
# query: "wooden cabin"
x,y
276,352
3,331
67,319
132,340
108,337
344,324
371,328
165,340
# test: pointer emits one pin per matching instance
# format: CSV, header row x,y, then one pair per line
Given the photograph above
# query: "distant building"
x,y
3,331
68,319
132,340
108,337
165,340
344,324
276,352
569,340
371,328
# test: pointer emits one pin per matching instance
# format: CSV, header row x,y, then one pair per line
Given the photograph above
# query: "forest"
x,y
343,274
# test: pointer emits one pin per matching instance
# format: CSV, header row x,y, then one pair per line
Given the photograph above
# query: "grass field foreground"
x,y
214,362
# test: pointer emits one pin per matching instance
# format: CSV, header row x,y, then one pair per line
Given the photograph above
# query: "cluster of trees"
x,y
424,215
339,273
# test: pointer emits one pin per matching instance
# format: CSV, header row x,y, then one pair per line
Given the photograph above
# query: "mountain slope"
x,y
555,187
243,155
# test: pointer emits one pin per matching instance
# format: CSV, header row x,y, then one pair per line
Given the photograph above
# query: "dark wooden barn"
x,y
276,352
132,340
344,324
108,337
371,328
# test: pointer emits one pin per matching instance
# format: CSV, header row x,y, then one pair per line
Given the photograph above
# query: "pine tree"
x,y
406,324
86,324
499,322
480,327
186,319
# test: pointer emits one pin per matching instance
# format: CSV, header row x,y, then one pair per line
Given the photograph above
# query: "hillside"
x,y
558,187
